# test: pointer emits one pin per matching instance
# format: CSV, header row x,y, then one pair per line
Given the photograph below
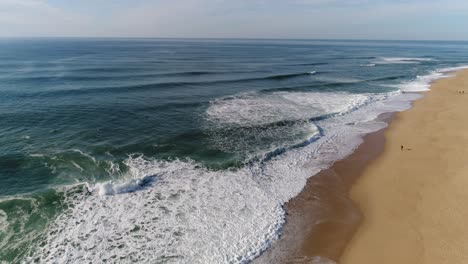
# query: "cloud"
x,y
372,19
36,18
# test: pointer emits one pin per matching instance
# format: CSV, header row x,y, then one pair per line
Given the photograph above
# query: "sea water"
x,y
183,150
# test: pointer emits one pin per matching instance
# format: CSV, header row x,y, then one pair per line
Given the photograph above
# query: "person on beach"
x,y
401,148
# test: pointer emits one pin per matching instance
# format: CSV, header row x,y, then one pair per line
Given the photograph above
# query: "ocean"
x,y
184,150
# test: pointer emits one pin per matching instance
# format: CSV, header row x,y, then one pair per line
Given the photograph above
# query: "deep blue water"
x,y
74,110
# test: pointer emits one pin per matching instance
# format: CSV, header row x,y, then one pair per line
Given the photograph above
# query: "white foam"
x,y
406,59
189,215
254,109
256,120
368,65
77,166
402,60
450,70
423,82
84,154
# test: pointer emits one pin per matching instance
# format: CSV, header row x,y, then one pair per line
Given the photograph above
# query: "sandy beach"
x,y
413,200
322,218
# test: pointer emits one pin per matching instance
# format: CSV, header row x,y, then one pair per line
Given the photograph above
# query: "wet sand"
x,y
322,218
414,201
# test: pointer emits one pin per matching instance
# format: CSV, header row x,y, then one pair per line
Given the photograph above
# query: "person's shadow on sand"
x,y
403,148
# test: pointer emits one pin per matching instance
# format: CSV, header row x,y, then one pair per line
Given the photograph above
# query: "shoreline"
x,y
413,200
330,200
325,199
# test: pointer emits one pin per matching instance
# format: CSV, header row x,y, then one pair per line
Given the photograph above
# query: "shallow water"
x,y
183,150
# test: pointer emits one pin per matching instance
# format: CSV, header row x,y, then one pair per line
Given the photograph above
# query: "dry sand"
x,y
415,201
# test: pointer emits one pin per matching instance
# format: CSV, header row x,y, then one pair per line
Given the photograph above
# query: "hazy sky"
x,y
349,19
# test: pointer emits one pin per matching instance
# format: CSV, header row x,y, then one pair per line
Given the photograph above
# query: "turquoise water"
x,y
93,128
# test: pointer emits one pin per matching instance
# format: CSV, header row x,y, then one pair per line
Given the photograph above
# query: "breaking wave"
x,y
403,60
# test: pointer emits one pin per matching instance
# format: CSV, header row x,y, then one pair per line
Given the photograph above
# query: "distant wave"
x,y
70,75
329,82
403,60
307,87
365,57
388,78
354,58
307,64
159,85
286,76
331,85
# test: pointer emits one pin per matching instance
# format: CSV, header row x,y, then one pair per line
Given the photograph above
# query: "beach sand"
x,y
414,202
322,218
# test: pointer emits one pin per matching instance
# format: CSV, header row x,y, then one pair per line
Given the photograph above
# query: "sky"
x,y
296,19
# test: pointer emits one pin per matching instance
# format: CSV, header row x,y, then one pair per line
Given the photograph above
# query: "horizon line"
x,y
231,38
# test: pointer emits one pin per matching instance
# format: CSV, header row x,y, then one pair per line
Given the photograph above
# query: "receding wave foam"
x,y
423,82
